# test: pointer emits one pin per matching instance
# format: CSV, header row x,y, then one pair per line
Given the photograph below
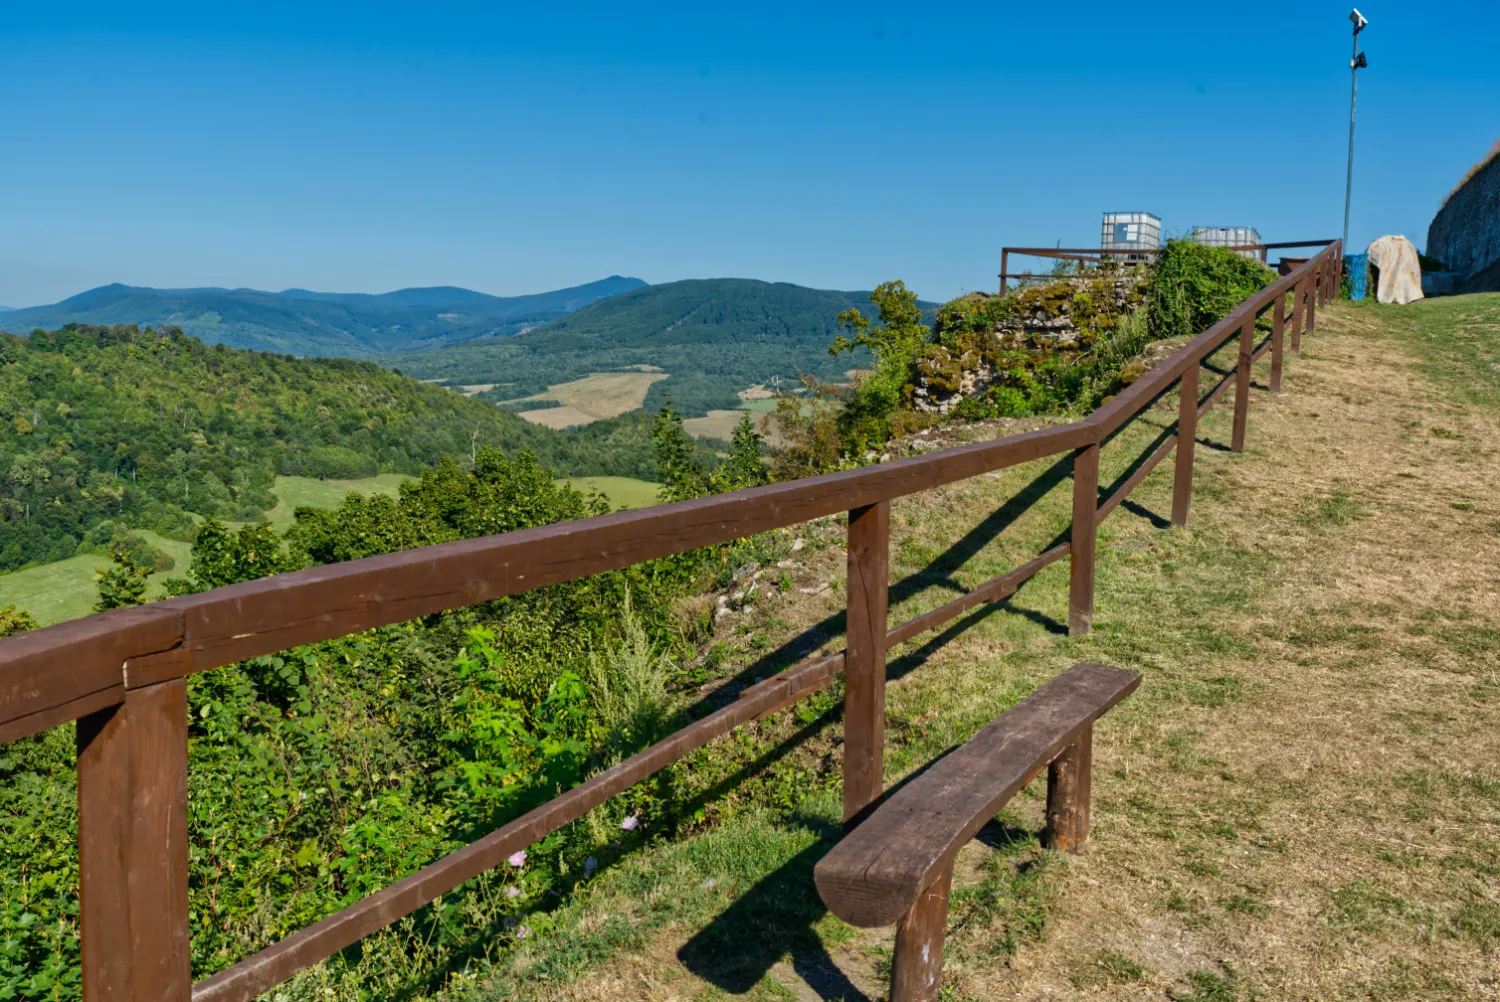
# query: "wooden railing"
x,y
123,674
1091,255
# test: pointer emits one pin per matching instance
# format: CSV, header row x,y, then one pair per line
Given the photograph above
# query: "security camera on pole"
x,y
1356,63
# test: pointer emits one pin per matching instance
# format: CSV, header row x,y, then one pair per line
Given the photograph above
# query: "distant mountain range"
x,y
714,337
300,322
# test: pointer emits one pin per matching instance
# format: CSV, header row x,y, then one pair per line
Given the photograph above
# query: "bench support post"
x,y
917,969
132,848
864,659
1069,790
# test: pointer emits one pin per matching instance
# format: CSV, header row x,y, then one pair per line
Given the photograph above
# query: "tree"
x,y
221,557
743,468
677,468
13,621
896,344
123,583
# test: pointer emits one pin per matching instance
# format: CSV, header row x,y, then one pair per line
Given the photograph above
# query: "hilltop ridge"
x,y
303,322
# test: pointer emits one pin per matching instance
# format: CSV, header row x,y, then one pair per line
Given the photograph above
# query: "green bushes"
x,y
1192,287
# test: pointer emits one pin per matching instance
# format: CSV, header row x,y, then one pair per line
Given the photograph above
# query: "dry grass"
x,y
718,424
593,398
1303,800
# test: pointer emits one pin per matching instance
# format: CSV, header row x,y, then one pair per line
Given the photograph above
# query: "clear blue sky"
x,y
519,147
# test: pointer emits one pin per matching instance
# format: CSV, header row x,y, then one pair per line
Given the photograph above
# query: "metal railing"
x,y
1095,256
123,674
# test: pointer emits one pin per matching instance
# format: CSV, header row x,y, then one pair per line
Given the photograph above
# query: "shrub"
x,y
1192,287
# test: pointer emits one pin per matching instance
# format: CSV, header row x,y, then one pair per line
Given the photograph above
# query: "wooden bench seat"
x,y
897,865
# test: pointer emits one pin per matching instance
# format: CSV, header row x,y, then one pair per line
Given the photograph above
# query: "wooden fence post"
x,y
1278,323
1081,548
1242,385
1311,315
132,848
864,660
1069,788
1187,435
1297,295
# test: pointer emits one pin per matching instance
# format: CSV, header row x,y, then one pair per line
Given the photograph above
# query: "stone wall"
x,y
1465,234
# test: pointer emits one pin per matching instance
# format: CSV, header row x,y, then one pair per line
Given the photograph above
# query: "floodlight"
x,y
1358,19
1358,62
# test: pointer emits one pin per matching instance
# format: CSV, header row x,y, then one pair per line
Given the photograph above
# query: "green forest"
x,y
156,429
714,336
323,773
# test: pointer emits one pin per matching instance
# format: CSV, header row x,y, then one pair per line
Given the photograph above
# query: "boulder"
x,y
1400,270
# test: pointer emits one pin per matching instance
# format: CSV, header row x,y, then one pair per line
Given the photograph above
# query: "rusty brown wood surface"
x,y
1242,384
1070,783
132,848
1187,435
864,657
877,871
917,965
1081,540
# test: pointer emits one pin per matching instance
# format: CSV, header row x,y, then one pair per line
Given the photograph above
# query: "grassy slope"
x,y
66,589
1299,803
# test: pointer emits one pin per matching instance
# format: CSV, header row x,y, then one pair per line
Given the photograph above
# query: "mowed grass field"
x,y
592,398
622,492
67,589
1301,802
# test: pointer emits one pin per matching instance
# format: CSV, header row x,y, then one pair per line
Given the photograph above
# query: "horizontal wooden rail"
x,y
119,670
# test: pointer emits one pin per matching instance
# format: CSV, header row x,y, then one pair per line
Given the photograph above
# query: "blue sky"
x,y
516,148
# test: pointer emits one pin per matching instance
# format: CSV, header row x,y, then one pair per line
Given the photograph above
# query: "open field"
x,y
1301,802
66,589
623,492
307,492
558,418
592,398
718,424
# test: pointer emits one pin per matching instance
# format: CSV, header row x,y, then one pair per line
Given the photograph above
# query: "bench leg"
x,y
1069,787
917,971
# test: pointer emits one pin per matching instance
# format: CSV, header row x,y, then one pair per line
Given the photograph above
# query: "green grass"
x,y
622,492
305,492
57,592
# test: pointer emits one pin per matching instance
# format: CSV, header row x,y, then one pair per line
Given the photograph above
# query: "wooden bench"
x,y
897,865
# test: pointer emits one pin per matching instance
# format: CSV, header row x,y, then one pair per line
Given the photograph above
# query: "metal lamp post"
x,y
1356,63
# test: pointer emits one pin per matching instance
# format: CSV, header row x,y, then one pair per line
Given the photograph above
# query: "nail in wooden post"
x,y
1278,323
1070,782
864,661
1297,296
1081,549
1187,433
917,968
1242,384
132,848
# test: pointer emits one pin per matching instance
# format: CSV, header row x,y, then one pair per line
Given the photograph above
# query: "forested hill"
x,y
122,423
300,322
714,336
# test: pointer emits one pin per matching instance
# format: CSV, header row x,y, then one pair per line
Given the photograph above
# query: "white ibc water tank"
x,y
1125,235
